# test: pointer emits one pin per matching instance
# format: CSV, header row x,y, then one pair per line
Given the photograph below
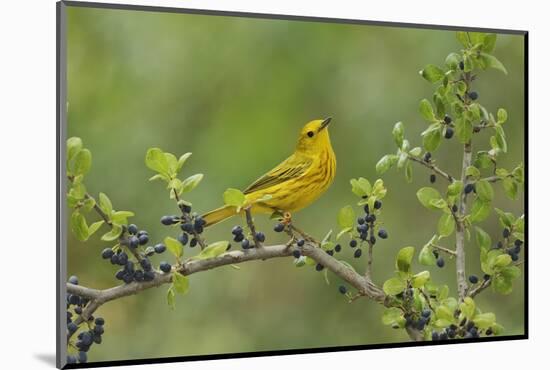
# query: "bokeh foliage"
x,y
235,92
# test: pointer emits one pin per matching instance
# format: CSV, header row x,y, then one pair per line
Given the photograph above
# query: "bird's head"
x,y
314,137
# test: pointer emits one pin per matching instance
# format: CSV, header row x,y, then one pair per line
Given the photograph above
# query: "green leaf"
x,y
484,320
510,188
88,204
420,279
490,61
501,284
394,286
502,115
489,42
480,210
444,313
464,129
105,204
462,37
213,250
180,283
115,232
79,226
482,238
468,308
74,145
398,133
455,188
415,152
391,316
432,73
156,161
384,164
426,256
361,187
346,217
506,218
431,138
234,197
473,172
172,163
182,160
452,61
446,225
503,260
404,259
510,272
121,217
426,195
484,191
94,227
174,246
171,297
82,162
408,172
191,182
427,111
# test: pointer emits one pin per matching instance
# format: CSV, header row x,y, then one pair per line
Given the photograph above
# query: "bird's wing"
x,y
289,169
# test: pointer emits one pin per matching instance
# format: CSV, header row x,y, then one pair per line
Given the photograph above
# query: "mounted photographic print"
x,y
235,184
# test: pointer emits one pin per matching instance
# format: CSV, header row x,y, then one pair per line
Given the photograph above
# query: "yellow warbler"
x,y
296,182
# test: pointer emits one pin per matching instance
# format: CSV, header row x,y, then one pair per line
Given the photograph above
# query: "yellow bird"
x,y
296,182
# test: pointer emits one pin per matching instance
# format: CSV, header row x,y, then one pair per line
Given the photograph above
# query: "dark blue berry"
x,y
133,241
296,253
188,228
361,228
469,188
518,243
330,252
160,248
426,313
72,327
300,242
146,264
319,267
260,236
366,209
357,253
360,220
447,119
489,331
473,279
194,242
370,218
71,359
337,248
461,65
238,238
165,267
245,243
143,239
114,259
342,289
486,277
435,335
455,208
506,232
199,229
149,275
353,243
278,227
377,204
74,299
120,274
132,229
449,132
372,240
183,238
167,220
138,275
73,280
122,259
237,230
87,338
199,221
129,267
383,234
473,95
99,321
440,262
432,178
186,208
107,253
82,357
98,329
128,277
443,336
514,256
427,156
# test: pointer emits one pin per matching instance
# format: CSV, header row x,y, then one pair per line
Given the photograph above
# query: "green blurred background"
x,y
235,92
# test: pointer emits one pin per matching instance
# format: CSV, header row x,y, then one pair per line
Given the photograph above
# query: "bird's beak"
x,y
325,123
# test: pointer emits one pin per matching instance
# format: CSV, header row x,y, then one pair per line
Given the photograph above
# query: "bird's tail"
x,y
218,215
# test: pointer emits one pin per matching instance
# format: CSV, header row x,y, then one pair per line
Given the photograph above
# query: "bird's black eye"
x,y
310,133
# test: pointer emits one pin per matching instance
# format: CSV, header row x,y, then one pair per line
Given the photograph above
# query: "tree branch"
x,y
433,167
99,297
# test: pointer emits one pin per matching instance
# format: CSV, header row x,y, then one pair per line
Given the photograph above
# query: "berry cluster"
x,y
365,228
86,338
191,224
419,322
246,243
449,130
140,269
466,329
